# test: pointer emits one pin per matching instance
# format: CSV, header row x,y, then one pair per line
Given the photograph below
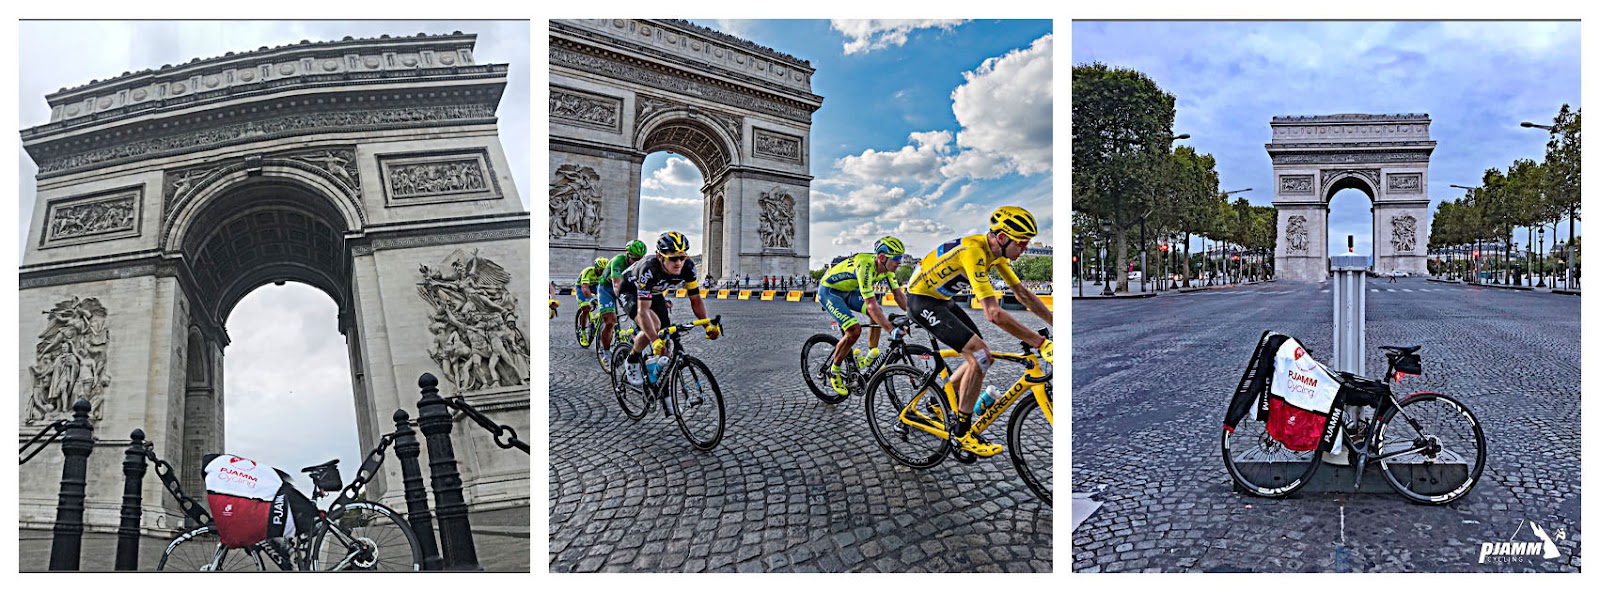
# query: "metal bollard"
x,y
133,468
76,444
1350,313
408,449
455,529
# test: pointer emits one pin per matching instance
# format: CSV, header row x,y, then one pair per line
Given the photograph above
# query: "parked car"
x,y
1133,276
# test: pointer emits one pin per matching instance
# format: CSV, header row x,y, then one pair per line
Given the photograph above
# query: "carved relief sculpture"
x,y
777,145
597,111
575,202
339,163
1404,236
98,217
1297,234
1405,182
70,361
777,219
476,341
1294,184
436,178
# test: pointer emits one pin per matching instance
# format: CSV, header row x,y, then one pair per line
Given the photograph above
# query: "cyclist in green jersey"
x,y
610,284
588,280
847,288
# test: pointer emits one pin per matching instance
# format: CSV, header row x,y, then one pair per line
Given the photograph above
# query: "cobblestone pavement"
x,y
795,485
1151,379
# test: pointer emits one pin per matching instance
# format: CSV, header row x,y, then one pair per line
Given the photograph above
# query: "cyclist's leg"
x,y
946,322
974,353
837,305
608,315
585,302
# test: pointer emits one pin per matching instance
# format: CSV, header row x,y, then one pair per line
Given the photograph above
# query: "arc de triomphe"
x,y
370,169
1383,156
621,89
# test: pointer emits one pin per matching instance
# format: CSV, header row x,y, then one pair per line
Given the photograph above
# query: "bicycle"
x,y
907,407
351,535
618,335
693,390
1434,455
586,333
817,355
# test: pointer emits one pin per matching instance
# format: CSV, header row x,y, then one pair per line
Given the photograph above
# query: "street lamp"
x,y
1105,233
1538,260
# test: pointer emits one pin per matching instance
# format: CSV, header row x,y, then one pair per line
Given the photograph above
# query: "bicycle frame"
x,y
1033,378
1347,420
672,334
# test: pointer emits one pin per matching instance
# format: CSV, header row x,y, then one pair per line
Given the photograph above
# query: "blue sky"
x,y
1477,80
925,128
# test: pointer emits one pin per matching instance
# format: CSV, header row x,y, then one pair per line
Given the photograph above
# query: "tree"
x,y
1121,136
1033,268
1563,163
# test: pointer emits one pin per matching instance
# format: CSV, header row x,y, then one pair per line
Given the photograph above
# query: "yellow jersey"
x,y
960,265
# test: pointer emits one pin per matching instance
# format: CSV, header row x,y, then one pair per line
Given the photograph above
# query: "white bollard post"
x,y
1350,313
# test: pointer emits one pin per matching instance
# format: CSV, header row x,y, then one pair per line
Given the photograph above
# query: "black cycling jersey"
x,y
647,277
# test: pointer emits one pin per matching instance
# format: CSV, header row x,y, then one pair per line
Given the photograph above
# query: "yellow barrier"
x,y
767,294
976,302
1049,301
816,296
888,299
722,294
744,294
704,292
794,296
682,292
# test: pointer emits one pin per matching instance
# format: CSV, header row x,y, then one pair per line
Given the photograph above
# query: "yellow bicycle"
x,y
907,407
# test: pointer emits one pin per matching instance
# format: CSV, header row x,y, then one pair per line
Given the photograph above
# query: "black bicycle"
x,y
684,385
816,356
351,535
1428,446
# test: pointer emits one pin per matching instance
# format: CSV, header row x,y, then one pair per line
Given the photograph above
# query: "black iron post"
x,y
133,468
455,529
408,449
76,444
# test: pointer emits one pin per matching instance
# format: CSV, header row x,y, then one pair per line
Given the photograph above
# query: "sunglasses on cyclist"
x,y
675,258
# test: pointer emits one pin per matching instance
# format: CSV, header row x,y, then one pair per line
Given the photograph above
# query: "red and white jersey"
x,y
1301,381
241,477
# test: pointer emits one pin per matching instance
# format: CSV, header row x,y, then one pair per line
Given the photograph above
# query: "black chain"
x,y
364,475
500,430
164,470
56,428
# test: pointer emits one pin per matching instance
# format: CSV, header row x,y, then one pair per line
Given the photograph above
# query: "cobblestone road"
x,y
1151,378
795,485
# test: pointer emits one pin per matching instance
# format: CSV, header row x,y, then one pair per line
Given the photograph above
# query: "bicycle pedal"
x,y
964,456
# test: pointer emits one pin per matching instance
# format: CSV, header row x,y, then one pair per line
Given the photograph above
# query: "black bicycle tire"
x,y
194,534
873,388
1258,490
620,387
1473,476
386,511
1014,445
688,361
578,316
823,392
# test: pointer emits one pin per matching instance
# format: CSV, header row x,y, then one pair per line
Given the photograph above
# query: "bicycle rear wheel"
x,y
697,403
1260,465
903,418
633,399
200,549
579,331
368,537
1030,438
917,356
816,356
1437,446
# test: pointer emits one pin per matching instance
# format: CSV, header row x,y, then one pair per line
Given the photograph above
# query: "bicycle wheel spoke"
x,y
1431,449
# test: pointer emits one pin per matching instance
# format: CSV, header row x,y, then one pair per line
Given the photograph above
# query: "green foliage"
x,y
903,275
1033,268
1563,161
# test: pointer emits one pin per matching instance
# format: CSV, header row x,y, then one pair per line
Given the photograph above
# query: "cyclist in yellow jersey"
x,y
847,288
964,264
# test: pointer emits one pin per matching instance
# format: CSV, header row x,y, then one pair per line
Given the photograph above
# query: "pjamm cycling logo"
x,y
1513,550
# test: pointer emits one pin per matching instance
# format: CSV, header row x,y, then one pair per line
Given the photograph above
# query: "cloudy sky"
x,y
287,373
925,128
1477,80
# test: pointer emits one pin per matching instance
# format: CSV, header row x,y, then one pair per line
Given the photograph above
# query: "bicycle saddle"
x,y
1401,350
327,465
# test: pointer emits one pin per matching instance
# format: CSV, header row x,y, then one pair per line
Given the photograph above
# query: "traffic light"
x,y
1163,247
1074,258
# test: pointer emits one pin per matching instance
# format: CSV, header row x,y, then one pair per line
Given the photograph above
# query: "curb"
x,y
1116,296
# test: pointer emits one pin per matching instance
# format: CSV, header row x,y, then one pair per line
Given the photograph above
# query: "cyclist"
x,y
964,264
847,288
643,296
588,281
610,280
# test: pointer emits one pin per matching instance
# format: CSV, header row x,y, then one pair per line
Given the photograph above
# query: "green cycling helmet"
x,y
636,249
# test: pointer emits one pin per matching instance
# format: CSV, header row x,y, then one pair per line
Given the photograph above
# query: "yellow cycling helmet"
x,y
672,242
890,246
1014,222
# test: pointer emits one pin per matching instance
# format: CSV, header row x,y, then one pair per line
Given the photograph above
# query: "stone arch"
x,y
1384,157
741,112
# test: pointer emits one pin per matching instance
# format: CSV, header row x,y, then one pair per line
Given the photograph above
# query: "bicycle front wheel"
x,y
368,537
816,356
579,330
1431,449
633,399
906,422
1031,440
200,549
697,403
1262,466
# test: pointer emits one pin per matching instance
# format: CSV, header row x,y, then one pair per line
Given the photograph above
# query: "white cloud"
x,y
1005,112
862,36
678,172
917,162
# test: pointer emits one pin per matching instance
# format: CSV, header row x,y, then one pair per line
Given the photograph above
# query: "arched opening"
x,y
671,197
1350,205
687,145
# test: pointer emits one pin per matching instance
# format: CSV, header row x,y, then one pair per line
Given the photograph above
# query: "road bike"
x,y
816,356
618,335
351,535
1428,446
684,386
907,408
587,333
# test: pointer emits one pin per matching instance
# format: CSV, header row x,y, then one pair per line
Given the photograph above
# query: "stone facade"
x,y
166,196
623,88
1384,156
